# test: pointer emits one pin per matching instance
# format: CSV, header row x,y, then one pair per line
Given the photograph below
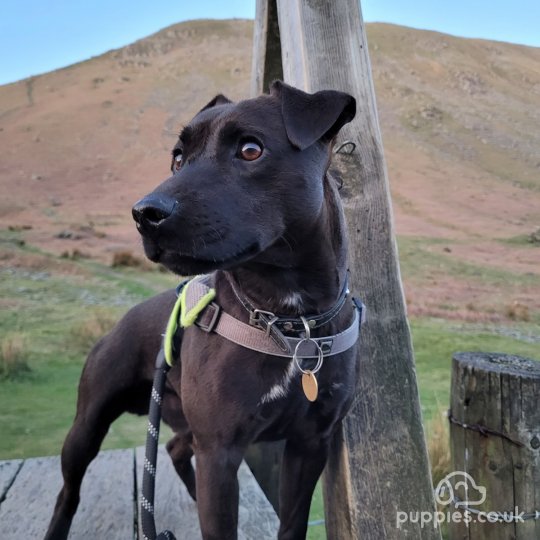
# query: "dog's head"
x,y
244,175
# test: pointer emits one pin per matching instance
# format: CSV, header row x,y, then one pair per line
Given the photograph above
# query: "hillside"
x,y
460,124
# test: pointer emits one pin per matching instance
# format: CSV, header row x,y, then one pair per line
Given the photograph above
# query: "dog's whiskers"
x,y
218,233
284,238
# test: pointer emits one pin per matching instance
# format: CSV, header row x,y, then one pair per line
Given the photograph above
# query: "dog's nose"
x,y
153,209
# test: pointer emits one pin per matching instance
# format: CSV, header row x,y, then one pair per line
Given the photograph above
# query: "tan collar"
x,y
271,341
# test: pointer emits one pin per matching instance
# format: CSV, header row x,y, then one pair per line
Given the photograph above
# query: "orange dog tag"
x,y
310,386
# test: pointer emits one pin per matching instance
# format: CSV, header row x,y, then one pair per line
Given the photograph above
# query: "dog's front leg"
x,y
302,465
217,491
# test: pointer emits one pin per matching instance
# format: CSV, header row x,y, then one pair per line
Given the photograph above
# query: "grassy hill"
x,y
460,125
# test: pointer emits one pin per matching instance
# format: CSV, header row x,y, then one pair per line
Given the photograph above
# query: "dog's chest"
x,y
281,388
261,392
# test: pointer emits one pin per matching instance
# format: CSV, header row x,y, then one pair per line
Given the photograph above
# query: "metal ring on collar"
x,y
320,356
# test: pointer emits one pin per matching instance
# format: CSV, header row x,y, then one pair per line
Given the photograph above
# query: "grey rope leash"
x,y
150,459
162,367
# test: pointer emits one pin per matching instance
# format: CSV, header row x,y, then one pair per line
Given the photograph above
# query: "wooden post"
x,y
266,63
379,463
495,437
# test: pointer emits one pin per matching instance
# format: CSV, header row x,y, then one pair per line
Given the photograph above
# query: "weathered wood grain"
x,y
498,393
8,471
107,499
177,512
256,518
266,62
30,500
379,465
107,507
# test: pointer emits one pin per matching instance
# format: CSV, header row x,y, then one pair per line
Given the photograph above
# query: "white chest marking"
x,y
280,389
292,300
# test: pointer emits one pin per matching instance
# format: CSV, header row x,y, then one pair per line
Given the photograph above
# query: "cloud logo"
x,y
446,488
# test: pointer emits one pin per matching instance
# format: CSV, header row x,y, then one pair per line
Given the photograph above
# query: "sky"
x,y
42,35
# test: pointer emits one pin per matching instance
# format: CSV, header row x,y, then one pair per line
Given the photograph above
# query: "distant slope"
x,y
460,121
83,143
469,107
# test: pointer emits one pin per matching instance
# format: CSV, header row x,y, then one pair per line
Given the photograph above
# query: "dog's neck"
x,y
298,274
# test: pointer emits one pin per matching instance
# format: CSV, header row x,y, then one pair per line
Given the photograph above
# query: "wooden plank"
x,y
266,63
177,512
29,503
256,517
380,460
8,471
107,499
107,507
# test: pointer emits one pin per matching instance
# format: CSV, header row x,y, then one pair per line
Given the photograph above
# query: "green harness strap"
x,y
187,318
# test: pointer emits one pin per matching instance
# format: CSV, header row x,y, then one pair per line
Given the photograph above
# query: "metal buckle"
x,y
213,321
257,321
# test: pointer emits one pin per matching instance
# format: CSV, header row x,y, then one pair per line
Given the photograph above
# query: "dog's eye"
x,y
250,151
177,161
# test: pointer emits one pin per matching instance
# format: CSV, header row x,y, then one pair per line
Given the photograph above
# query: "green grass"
x,y
521,240
47,305
422,257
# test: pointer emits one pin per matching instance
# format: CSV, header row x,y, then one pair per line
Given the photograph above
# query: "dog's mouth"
x,y
188,264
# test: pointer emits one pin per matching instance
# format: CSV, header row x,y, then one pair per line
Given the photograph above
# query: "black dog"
x,y
249,200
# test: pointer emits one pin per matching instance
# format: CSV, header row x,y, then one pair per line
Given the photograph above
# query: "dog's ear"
x,y
220,99
312,117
